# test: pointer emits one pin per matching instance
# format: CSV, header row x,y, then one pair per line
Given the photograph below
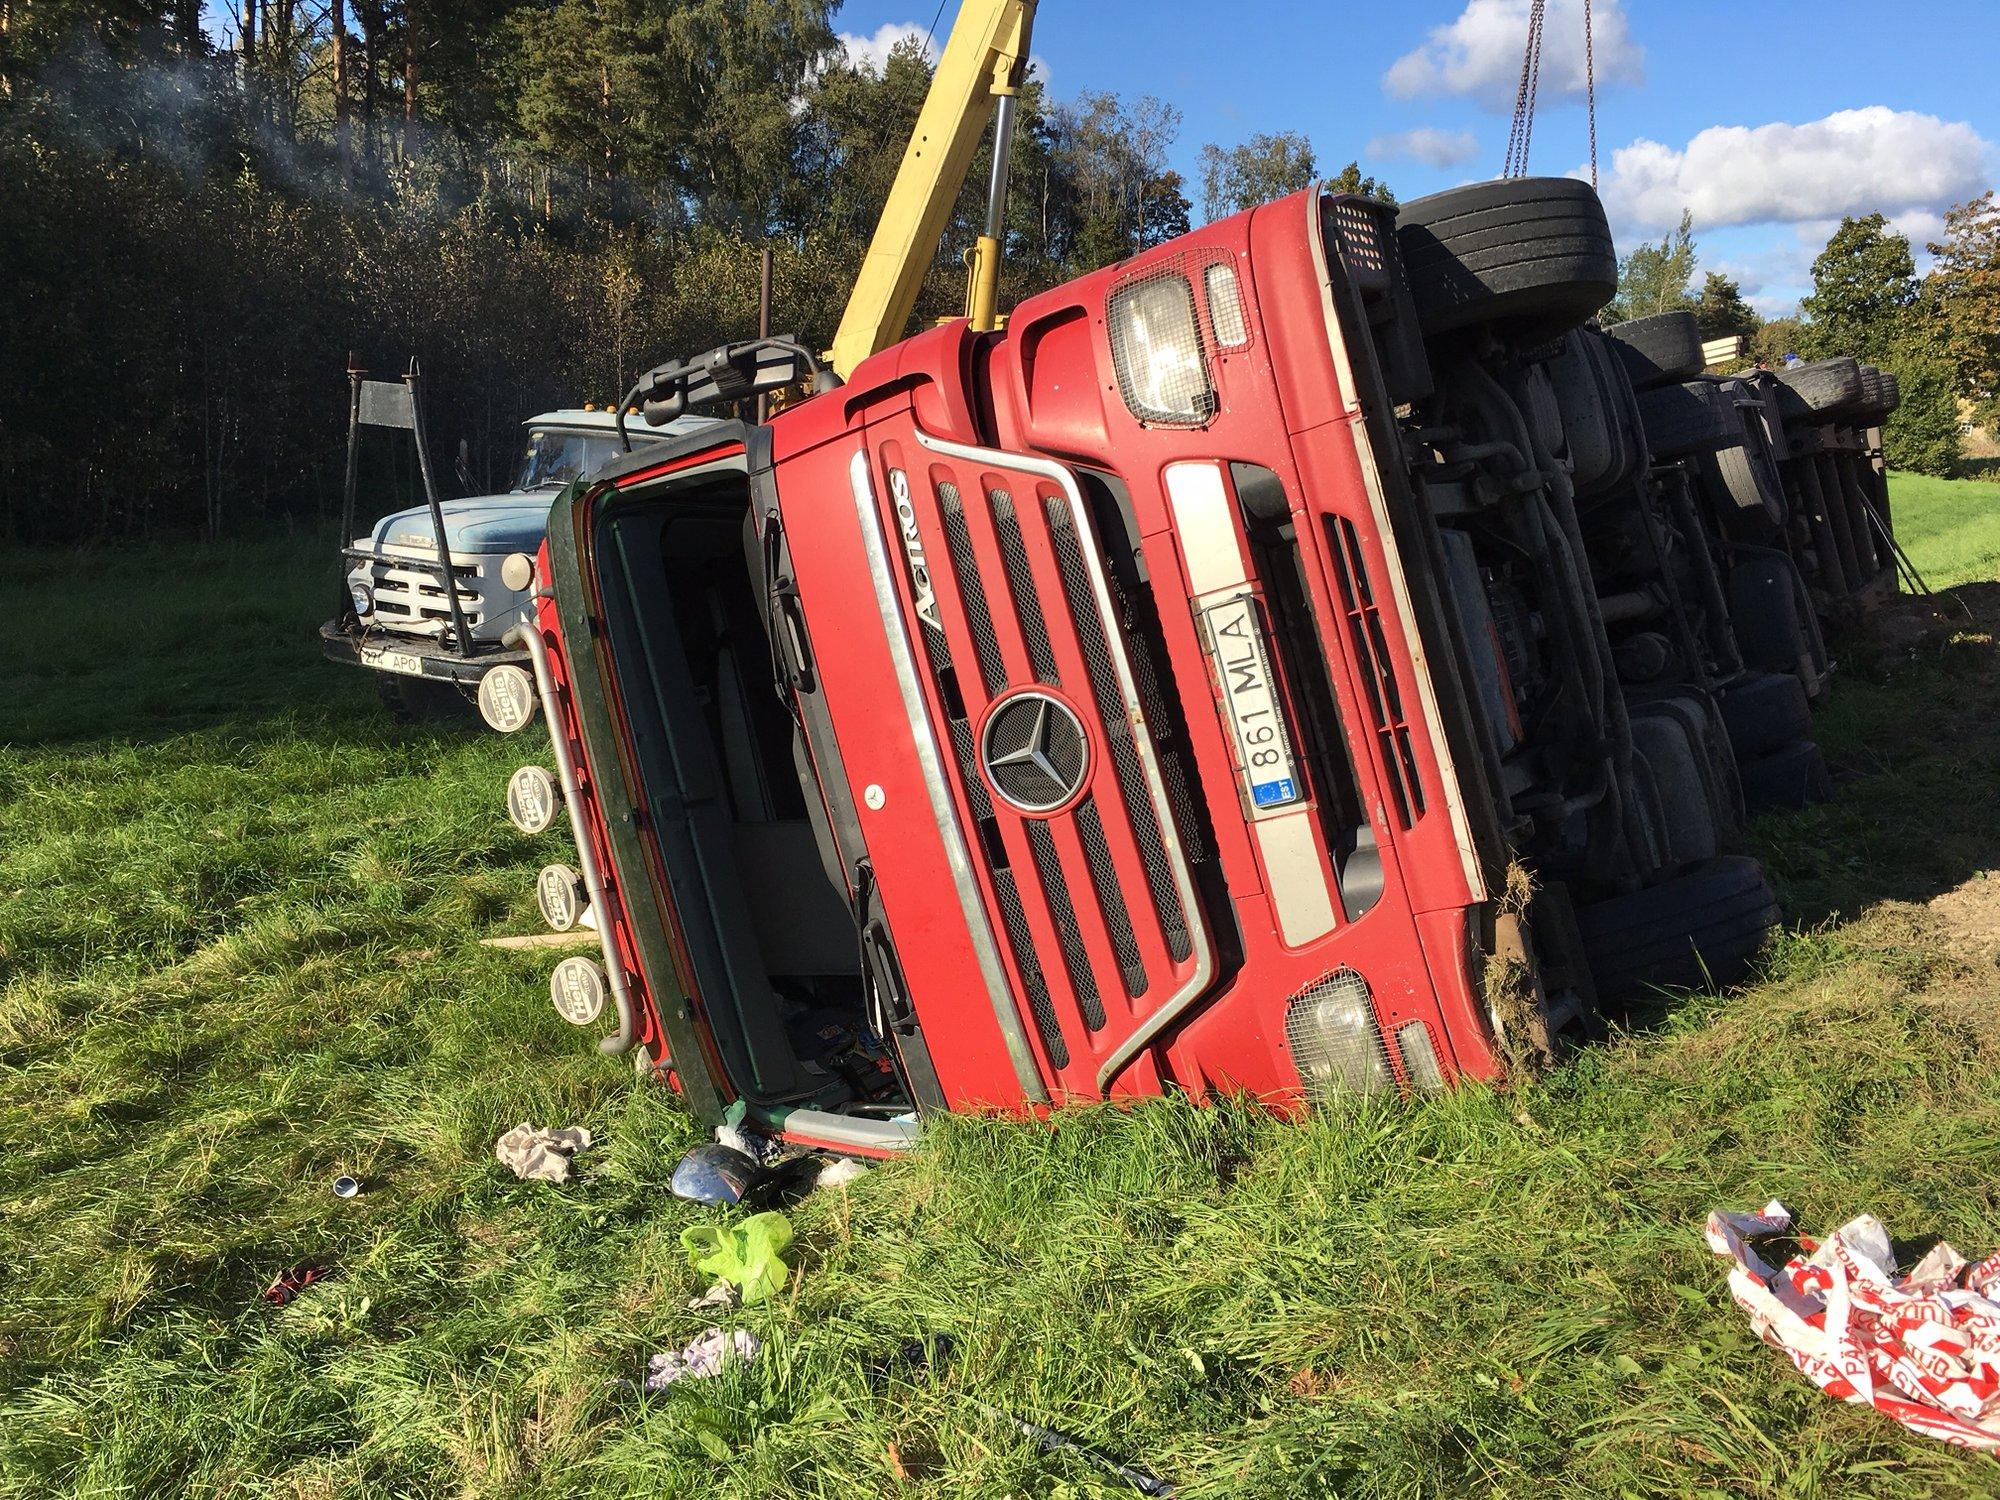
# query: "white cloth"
x,y
702,1359
539,1153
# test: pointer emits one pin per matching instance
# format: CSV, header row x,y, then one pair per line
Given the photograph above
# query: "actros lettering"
x,y
913,550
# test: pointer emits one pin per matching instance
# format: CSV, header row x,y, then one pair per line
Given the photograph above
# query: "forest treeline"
x,y
207,210
537,200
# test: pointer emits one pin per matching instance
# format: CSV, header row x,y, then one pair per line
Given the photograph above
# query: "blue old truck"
x,y
399,619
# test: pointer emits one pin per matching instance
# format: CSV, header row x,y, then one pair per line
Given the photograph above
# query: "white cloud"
x,y
1479,54
1855,161
1432,147
872,52
1773,276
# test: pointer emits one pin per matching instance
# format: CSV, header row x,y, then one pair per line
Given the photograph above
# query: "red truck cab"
x,y
1066,713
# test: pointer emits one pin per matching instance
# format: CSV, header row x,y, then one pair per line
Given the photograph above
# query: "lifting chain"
x,y
1521,134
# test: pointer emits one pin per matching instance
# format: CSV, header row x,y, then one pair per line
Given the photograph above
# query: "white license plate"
x,y
382,659
1269,771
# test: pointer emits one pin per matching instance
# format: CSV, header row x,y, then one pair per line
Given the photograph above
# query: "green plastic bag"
x,y
751,1254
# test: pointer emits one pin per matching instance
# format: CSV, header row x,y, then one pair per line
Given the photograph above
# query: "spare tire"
x,y
1704,927
1687,811
1658,350
1826,386
1529,252
1697,417
1771,614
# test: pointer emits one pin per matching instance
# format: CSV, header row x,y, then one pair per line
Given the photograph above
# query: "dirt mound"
x,y
1970,915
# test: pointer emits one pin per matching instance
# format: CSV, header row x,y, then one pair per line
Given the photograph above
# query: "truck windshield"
x,y
555,457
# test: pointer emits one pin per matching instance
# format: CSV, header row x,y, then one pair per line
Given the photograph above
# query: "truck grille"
x,y
1019,614
412,599
1378,674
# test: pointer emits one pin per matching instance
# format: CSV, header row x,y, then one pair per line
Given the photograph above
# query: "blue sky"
x,y
1768,120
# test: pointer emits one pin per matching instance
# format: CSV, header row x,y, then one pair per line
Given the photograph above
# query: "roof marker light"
x,y
532,799
559,892
578,988
507,698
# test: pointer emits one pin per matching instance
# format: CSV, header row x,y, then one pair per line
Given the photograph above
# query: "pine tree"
x,y
1721,312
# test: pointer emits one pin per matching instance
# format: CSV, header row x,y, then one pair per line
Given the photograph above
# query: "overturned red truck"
x,y
1277,663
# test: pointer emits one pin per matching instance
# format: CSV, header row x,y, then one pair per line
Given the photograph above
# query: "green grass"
x,y
238,913
1950,527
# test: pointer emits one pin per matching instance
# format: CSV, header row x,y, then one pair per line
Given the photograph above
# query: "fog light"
x,y
1420,1059
1335,1042
507,698
532,799
559,893
517,570
579,987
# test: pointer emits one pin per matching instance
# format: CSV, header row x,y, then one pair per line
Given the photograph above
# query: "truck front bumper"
x,y
414,656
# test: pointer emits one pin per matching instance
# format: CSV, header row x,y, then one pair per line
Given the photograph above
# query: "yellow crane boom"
x,y
979,73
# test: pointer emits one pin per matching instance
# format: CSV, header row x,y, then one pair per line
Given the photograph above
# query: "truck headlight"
x,y
1156,348
517,570
532,799
363,597
1334,1039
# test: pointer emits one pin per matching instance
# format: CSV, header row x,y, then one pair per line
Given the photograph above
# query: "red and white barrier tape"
x,y
1923,1348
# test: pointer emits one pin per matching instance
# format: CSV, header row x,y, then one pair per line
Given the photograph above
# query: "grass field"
x,y
1950,527
238,913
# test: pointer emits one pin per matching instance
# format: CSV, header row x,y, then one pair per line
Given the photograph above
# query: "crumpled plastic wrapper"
x,y
1923,1349
702,1359
839,1172
535,1152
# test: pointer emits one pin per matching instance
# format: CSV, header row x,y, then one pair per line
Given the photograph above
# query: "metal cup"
x,y
346,1187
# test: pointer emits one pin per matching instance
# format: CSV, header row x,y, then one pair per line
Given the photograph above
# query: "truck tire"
x,y
1787,780
1874,406
1695,417
420,700
1763,714
1771,614
1827,386
1746,473
1686,807
1703,927
1598,422
1660,350
1533,252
